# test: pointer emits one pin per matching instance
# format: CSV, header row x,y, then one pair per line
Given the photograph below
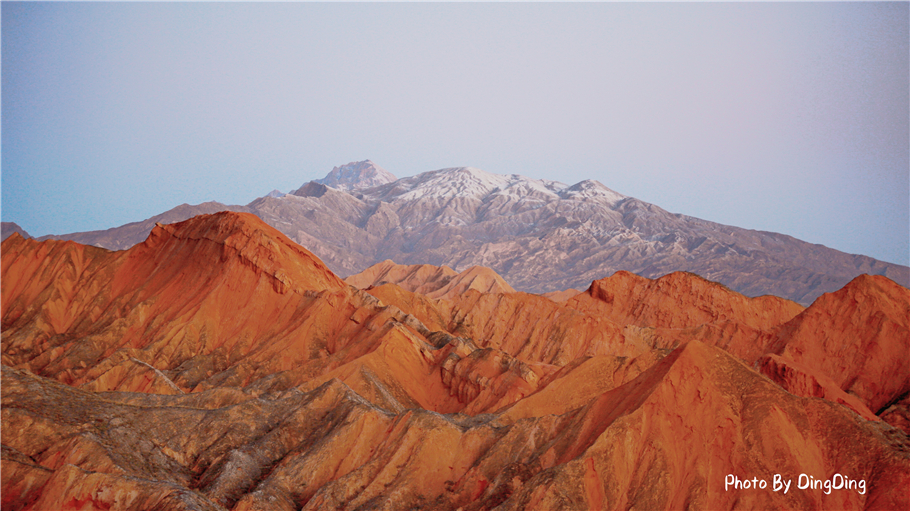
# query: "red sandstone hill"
x,y
859,337
430,281
680,300
685,306
218,365
198,290
667,439
225,300
628,315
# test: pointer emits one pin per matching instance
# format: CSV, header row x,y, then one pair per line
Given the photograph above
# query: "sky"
x,y
784,117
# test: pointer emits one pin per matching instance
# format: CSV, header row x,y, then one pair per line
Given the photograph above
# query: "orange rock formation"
x,y
858,336
430,281
218,365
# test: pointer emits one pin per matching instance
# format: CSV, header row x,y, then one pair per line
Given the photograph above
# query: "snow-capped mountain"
x,y
590,189
473,183
539,235
465,182
357,175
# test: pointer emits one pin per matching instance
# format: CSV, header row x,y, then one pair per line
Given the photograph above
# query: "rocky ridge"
x,y
357,175
131,234
540,235
430,281
8,228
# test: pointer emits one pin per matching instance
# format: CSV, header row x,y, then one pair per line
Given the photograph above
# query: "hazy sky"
x,y
787,117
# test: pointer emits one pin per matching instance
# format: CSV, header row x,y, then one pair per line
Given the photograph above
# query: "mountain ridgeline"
x,y
539,235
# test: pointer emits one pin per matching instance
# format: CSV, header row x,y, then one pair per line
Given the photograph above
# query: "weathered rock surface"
x,y
627,315
430,281
187,301
680,300
685,306
668,439
219,365
859,336
357,175
630,447
898,414
225,300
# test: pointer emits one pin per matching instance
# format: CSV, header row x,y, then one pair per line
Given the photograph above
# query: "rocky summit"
x,y
357,175
539,235
220,365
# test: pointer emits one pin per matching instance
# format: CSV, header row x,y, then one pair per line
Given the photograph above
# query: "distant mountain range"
x,y
539,235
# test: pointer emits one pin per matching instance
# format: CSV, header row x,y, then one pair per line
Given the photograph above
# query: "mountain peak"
x,y
252,241
454,182
357,175
590,188
469,172
8,228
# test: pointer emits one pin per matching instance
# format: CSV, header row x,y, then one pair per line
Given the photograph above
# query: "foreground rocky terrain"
x,y
539,235
219,365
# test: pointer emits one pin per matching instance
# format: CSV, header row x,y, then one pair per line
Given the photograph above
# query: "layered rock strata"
x,y
219,365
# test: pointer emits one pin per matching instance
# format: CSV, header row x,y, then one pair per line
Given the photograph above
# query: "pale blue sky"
x,y
774,116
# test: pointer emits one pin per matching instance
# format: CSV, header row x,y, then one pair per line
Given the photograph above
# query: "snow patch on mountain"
x,y
590,189
474,183
466,182
520,187
357,175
